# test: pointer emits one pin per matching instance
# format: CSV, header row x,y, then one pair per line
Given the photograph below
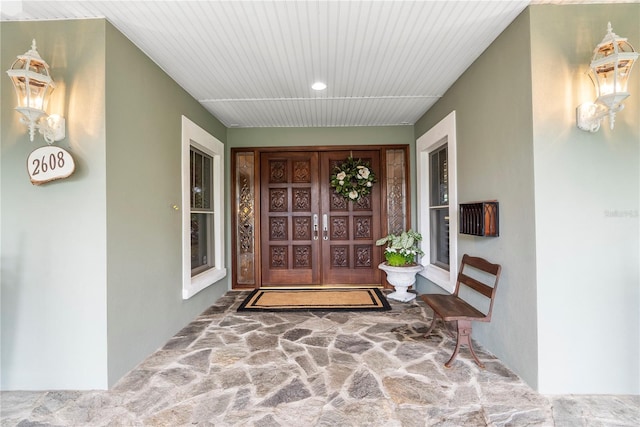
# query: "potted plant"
x,y
400,265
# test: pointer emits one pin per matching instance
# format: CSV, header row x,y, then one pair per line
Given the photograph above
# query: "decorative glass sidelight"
x,y
245,229
396,191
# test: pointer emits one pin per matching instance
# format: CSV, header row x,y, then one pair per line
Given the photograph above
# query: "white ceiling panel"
x,y
252,63
319,112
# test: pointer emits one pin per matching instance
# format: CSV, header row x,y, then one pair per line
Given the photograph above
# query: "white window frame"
x,y
442,133
194,136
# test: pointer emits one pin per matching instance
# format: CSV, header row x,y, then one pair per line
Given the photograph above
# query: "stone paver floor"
x,y
314,369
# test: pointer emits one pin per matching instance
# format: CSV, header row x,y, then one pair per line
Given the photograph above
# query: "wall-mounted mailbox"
x,y
479,219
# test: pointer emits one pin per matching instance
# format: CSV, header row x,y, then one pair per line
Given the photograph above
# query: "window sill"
x,y
438,276
202,280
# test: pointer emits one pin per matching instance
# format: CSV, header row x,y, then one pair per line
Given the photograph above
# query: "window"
x,y
439,208
437,202
202,209
201,187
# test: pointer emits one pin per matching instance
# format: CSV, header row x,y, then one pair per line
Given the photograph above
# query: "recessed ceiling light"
x,y
318,86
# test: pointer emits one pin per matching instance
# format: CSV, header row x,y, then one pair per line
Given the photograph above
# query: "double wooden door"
x,y
309,234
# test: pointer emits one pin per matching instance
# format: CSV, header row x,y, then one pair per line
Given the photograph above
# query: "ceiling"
x,y
252,63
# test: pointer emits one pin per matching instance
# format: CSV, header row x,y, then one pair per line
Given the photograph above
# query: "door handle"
x,y
315,226
325,227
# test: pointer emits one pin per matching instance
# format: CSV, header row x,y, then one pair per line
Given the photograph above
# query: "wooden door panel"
x,y
289,201
295,195
352,227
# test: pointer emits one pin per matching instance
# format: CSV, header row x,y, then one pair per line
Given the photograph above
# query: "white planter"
x,y
401,278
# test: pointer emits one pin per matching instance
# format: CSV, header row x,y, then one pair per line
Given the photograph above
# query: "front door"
x,y
310,235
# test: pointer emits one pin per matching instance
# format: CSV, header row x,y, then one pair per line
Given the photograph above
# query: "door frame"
x,y
245,199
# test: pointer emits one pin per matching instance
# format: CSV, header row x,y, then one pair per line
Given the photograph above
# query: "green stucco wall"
x,y
91,265
144,109
275,137
587,192
492,100
566,317
53,236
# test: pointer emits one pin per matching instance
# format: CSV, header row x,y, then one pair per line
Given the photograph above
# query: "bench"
x,y
452,308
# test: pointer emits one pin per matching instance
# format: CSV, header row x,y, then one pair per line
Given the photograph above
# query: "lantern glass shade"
x,y
33,85
609,71
610,67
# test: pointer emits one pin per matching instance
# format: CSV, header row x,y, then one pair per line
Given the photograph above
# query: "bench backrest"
x,y
491,273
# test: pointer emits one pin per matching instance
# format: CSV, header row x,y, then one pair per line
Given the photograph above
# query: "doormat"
x,y
333,299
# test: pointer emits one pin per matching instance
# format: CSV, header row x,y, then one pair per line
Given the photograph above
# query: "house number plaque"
x,y
49,163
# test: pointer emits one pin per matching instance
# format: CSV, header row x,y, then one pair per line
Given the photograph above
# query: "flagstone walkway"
x,y
314,369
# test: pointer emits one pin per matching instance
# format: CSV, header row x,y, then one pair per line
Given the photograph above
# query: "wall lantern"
x,y
610,67
30,76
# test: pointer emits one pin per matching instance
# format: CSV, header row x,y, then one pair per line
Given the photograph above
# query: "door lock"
x,y
325,227
315,226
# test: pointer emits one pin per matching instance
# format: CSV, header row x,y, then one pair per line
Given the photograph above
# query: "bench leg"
x,y
433,323
447,329
464,337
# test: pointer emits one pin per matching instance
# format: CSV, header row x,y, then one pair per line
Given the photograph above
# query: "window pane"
x,y
439,187
201,250
195,184
440,237
201,176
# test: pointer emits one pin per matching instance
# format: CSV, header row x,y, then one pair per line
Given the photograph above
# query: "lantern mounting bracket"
x,y
52,128
589,115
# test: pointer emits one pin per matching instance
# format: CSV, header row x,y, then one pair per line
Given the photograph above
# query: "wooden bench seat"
x,y
452,308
